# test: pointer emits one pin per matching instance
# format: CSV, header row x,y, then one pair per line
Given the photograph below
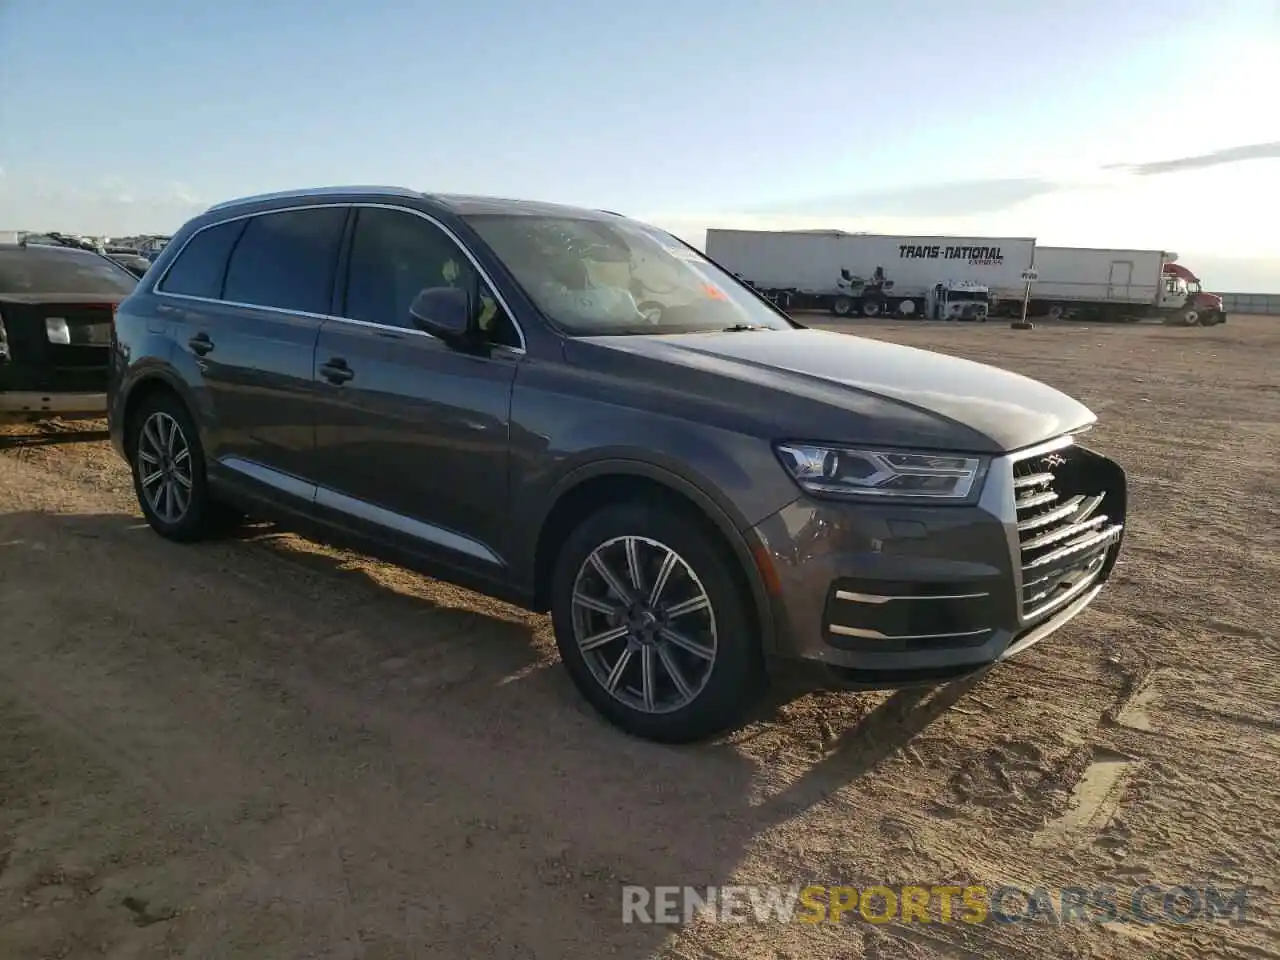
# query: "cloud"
x,y
108,204
960,198
969,198
1252,151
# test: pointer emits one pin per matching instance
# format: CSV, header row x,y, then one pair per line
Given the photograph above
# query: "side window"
x,y
286,260
202,265
395,255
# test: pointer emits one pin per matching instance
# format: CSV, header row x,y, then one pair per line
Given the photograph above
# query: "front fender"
x,y
722,513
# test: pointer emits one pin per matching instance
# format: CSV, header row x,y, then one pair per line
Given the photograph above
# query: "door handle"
x,y
336,371
200,344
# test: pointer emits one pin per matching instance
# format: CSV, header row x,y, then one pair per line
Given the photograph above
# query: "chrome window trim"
x,y
156,288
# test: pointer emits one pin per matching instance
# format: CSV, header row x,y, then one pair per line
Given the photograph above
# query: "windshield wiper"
x,y
743,327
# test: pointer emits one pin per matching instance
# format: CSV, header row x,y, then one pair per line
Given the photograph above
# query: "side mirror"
x,y
444,312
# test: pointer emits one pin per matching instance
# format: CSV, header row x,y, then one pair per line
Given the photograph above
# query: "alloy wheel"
x,y
644,624
164,467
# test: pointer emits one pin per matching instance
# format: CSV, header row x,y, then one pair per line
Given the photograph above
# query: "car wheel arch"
x,y
593,485
149,384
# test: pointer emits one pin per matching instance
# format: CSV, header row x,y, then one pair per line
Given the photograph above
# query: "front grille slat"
x,y
1072,548
1051,516
1062,533
1064,530
1036,500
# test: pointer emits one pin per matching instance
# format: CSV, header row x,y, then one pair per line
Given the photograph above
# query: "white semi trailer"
x,y
1104,284
943,278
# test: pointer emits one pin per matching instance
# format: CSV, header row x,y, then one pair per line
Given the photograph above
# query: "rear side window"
x,y
286,260
202,264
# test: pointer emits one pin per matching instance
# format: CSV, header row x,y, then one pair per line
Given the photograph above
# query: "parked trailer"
x,y
952,278
1102,284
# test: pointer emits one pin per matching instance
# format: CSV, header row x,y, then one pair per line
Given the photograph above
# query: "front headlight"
x,y
882,474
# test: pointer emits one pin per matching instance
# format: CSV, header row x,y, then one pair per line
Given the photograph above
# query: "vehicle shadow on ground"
x,y
526,733
22,441
902,716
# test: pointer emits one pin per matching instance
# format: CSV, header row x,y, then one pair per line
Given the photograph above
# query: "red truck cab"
x,y
1199,308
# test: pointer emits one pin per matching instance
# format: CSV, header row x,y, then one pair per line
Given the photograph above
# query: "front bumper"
x,y
26,405
892,593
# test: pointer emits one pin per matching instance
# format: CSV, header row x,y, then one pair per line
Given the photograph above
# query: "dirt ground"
x,y
266,748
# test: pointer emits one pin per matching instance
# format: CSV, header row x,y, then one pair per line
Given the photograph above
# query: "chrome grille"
x,y
1064,530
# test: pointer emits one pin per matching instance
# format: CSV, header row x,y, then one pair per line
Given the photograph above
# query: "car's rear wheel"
x,y
653,624
169,472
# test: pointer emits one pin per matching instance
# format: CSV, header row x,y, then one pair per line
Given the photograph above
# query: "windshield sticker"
x,y
714,292
684,253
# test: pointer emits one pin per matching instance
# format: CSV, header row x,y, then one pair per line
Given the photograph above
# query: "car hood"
x,y
887,393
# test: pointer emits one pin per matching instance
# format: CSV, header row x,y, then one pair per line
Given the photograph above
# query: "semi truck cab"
x,y
958,300
1183,300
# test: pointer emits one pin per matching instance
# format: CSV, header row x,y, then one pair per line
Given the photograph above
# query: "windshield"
x,y
37,270
596,277
979,296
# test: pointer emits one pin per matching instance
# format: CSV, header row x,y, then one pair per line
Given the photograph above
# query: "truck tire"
x,y
842,306
871,308
1055,311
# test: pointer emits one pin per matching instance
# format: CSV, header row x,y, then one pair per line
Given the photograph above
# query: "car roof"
x,y
49,248
459,204
470,205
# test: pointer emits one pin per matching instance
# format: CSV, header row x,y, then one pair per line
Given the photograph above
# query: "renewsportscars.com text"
x,y
825,903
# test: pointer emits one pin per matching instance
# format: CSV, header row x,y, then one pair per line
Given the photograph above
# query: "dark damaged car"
x,y
56,310
581,414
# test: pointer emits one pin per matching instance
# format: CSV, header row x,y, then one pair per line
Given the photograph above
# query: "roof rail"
x,y
612,213
403,192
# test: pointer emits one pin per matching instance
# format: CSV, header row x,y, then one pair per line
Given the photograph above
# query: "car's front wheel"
x,y
653,624
169,471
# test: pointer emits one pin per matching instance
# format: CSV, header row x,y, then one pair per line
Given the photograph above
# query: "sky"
x,y
1145,123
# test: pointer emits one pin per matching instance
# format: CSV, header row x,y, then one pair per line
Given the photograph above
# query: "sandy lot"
x,y
266,748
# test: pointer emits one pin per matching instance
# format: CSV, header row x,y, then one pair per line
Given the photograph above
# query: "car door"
x,y
412,433
254,342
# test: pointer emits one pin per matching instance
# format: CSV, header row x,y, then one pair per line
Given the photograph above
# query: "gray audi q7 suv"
x,y
579,413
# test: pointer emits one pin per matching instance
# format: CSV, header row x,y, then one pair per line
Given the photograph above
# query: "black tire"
x,y
1186,317
872,308
733,683
202,517
842,306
